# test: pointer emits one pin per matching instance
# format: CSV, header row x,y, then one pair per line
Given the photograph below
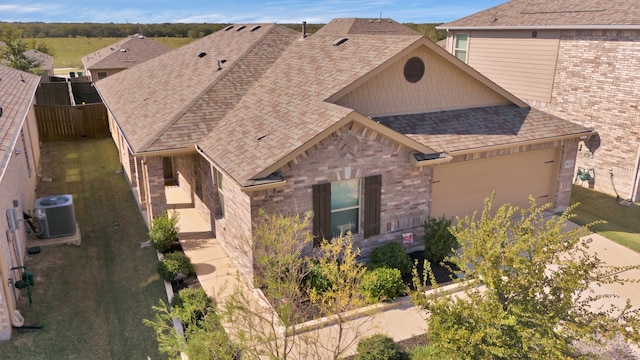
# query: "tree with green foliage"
x,y
527,284
13,51
279,272
339,260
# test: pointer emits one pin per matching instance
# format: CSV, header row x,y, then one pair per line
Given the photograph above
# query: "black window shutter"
x,y
321,213
372,200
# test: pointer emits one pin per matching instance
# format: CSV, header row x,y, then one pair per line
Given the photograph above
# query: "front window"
x,y
345,206
461,46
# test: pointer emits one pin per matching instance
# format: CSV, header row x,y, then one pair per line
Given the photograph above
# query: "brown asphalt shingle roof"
x,y
549,13
363,26
124,54
17,90
475,128
174,100
287,109
46,60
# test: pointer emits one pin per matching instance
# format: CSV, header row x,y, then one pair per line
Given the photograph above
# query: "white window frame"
x,y
457,50
358,206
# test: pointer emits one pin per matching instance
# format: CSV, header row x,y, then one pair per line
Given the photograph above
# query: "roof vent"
x,y
141,37
240,28
339,41
123,50
220,62
228,28
202,54
256,27
0,112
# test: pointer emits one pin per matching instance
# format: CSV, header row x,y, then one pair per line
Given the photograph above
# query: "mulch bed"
x,y
443,274
189,281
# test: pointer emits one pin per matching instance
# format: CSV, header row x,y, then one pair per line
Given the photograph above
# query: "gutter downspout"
x,y
16,318
636,180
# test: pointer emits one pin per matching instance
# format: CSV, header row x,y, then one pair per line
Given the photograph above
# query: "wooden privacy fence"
x,y
65,123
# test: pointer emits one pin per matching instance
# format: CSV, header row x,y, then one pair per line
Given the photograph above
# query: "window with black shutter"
x,y
372,200
337,208
321,213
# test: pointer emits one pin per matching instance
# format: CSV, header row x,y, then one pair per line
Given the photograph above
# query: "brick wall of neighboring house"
x,y
355,151
17,183
597,84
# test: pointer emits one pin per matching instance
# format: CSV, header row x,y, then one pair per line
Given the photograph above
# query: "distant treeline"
x,y
92,30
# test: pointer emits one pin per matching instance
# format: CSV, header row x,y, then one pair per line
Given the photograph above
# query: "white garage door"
x,y
460,189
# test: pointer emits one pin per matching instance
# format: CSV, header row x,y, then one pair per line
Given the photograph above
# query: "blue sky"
x,y
226,11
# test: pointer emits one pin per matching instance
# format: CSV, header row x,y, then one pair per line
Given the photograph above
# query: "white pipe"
x,y
636,179
16,318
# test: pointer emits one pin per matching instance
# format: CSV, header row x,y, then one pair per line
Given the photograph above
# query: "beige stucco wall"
x,y
443,87
18,182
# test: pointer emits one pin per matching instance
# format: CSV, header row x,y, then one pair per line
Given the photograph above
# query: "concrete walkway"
x,y
400,320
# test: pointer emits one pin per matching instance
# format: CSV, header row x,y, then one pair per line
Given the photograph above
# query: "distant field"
x,y
69,51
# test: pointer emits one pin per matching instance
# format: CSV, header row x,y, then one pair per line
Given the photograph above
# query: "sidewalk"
x,y
399,320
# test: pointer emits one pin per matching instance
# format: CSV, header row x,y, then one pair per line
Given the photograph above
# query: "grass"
x,y
91,298
67,52
622,225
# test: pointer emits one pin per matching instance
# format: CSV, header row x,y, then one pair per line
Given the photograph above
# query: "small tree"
x,y
163,231
14,51
279,271
536,299
338,258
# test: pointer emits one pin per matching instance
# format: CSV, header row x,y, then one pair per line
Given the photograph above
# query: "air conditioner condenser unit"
x,y
56,216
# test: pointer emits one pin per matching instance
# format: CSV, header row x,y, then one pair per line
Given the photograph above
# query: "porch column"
x,y
157,200
140,182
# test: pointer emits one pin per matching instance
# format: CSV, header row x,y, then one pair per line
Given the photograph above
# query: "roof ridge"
x,y
179,114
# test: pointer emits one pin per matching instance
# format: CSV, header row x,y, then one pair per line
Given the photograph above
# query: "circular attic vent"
x,y
414,70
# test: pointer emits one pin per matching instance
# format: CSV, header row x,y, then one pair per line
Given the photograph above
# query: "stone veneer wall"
x,y
355,151
597,84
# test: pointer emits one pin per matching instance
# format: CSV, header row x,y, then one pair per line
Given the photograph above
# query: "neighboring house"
x,y
577,59
122,55
45,60
368,124
19,159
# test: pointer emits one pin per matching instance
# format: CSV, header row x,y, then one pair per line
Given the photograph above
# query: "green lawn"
x,y
622,222
91,298
69,51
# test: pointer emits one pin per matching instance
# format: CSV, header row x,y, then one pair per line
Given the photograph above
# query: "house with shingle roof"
x,y
576,59
368,124
19,160
45,61
122,55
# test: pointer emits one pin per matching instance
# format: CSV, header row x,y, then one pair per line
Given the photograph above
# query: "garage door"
x,y
460,189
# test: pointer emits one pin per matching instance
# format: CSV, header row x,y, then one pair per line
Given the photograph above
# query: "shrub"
x,y
190,305
173,264
438,240
391,255
378,347
382,284
317,278
425,352
163,231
